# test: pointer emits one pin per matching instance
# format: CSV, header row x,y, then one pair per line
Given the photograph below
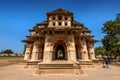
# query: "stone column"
x,y
92,53
47,50
71,49
35,52
27,52
56,23
63,23
69,23
50,23
84,51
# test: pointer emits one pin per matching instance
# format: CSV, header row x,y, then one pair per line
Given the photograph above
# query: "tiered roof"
x,y
60,10
76,26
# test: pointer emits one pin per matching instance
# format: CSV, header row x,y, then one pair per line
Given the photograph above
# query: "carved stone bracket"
x,y
50,39
28,45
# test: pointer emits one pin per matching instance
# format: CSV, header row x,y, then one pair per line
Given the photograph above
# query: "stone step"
x,y
62,66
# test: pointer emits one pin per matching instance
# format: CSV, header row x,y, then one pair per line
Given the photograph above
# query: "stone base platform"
x,y
83,62
86,64
95,61
59,67
32,64
23,62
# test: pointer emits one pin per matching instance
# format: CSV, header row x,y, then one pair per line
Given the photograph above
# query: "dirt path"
x,y
17,72
6,62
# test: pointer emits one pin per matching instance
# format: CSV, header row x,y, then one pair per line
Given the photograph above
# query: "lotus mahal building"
x,y
59,44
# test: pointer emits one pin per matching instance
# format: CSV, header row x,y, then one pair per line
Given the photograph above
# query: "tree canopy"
x,y
7,51
100,51
111,40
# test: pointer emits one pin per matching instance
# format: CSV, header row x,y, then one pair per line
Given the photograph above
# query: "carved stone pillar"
x,y
35,52
71,49
84,51
27,52
69,23
50,23
56,23
63,23
47,50
92,53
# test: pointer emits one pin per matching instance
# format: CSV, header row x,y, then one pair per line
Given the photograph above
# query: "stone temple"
x,y
59,44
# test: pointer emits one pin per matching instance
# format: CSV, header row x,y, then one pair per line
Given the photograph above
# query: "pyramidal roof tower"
x,y
59,44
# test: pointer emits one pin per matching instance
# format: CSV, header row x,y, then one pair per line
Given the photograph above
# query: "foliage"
x,y
111,40
7,51
100,51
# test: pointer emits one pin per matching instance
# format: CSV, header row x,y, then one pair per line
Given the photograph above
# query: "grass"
x,y
8,60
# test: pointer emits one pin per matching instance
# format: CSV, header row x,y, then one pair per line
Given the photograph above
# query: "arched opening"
x,y
66,18
60,18
60,24
54,24
65,24
53,18
60,52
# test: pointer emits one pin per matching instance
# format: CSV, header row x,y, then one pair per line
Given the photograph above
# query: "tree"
x,y
100,51
7,51
111,40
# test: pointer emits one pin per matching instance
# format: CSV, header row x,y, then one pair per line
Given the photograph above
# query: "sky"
x,y
19,16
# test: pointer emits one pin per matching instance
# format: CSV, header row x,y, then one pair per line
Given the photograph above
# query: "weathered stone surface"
x,y
59,39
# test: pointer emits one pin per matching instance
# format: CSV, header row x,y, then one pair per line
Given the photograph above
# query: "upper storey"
x,y
59,21
59,18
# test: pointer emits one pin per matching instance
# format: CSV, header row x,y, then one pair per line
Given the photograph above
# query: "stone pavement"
x,y
17,72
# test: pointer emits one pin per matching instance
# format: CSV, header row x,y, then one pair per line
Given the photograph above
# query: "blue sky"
x,y
18,16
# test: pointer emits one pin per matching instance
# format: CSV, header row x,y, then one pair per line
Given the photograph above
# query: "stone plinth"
x,y
95,61
59,42
32,64
59,67
23,62
86,64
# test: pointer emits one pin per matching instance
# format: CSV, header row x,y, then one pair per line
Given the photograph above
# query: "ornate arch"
x,y
59,45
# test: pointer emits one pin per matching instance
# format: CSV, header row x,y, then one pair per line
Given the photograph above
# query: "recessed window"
x,y
65,24
53,18
66,18
50,32
60,18
59,23
54,24
68,32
